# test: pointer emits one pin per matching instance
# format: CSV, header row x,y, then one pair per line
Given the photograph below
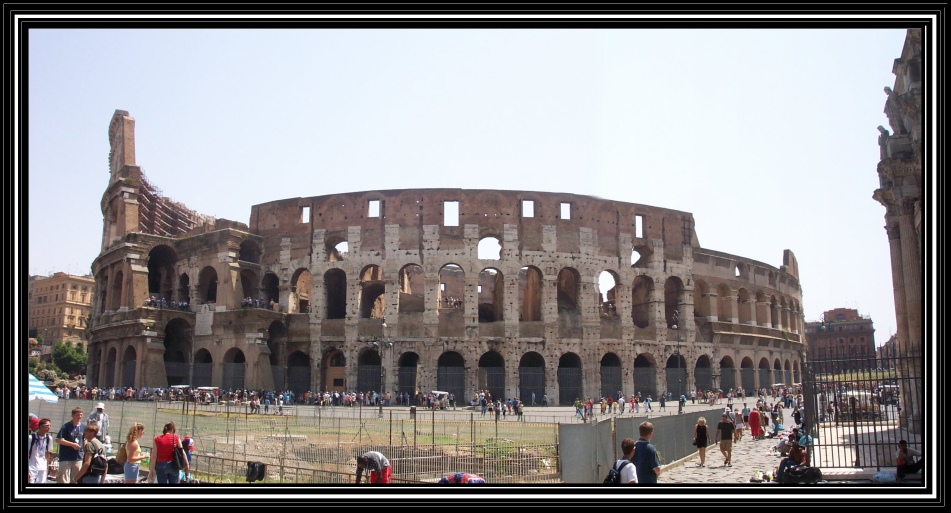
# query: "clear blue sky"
x,y
767,136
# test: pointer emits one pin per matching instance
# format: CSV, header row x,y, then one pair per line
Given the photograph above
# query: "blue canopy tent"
x,y
40,391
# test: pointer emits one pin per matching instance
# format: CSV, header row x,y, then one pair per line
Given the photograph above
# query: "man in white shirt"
x,y
39,453
99,416
628,473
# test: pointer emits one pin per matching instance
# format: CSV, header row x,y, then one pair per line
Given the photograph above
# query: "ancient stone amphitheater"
x,y
518,292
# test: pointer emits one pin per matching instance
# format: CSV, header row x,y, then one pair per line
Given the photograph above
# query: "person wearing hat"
x,y
100,417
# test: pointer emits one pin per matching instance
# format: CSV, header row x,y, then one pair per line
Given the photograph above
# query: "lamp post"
x,y
380,345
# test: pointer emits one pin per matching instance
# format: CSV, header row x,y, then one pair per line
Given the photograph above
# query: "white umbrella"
x,y
40,391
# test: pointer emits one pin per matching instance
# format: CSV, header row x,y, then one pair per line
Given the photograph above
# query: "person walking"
x,y
724,434
134,454
738,422
700,439
161,462
645,460
376,466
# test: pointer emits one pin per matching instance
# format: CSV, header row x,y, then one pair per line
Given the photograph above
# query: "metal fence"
x,y
320,444
857,410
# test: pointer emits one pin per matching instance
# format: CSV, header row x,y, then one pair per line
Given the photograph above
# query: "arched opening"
x,y
569,286
784,314
492,374
745,306
128,367
412,289
724,303
117,284
676,369
788,373
761,309
778,372
301,286
645,376
368,370
530,294
703,374
727,374
103,287
337,250
701,301
298,373
612,380
110,377
184,295
161,265
177,344
249,251
491,295
747,376
335,288
796,377
249,284
531,377
490,249
202,368
570,379
451,298
765,379
334,371
673,299
406,382
372,293
643,291
269,286
208,285
451,374
607,298
232,367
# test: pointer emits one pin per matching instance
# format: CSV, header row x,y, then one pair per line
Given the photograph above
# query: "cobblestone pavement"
x,y
748,456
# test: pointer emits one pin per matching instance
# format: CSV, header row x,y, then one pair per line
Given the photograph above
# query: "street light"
x,y
386,344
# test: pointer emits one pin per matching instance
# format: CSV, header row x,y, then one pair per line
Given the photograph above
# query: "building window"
x,y
375,208
528,208
566,211
639,226
304,215
450,213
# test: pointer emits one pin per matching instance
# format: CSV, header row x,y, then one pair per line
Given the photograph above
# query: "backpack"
x,y
802,474
98,464
34,438
123,455
614,475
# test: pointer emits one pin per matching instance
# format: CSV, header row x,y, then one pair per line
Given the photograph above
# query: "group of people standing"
x,y
82,446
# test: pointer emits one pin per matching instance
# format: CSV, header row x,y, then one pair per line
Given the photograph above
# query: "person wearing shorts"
x,y
724,434
738,433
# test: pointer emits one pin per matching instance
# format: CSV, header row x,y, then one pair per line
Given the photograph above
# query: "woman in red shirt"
x,y
161,462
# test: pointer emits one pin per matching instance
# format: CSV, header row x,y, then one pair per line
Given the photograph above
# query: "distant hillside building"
x,y
844,335
59,306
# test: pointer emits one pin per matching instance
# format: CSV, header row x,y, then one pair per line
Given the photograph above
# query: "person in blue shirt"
x,y
645,460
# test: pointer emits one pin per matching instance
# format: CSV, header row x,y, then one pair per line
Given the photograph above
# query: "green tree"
x,y
68,358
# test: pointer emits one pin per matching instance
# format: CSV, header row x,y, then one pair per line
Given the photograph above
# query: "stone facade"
x,y
391,286
900,175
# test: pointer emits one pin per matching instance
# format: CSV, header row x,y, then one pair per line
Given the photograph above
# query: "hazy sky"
x,y
767,136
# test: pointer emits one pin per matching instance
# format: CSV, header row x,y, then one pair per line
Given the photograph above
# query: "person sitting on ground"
x,y
784,444
797,456
906,461
380,471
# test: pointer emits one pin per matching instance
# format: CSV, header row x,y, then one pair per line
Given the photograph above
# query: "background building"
x,y
843,335
59,306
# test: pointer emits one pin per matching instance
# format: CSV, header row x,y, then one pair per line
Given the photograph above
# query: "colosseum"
x,y
517,292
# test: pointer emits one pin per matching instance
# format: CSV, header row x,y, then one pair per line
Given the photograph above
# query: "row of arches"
x,y
294,371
